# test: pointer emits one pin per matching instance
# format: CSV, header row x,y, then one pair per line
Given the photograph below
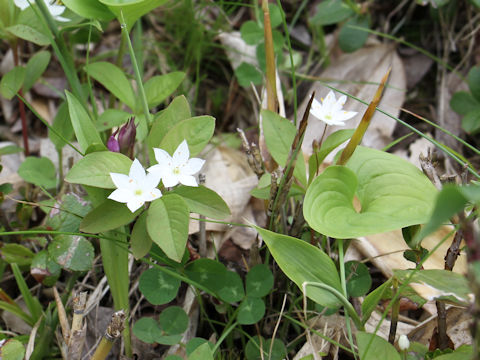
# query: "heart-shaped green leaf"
x,y
167,225
159,87
392,192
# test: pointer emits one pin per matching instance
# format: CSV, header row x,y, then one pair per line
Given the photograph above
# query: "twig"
x,y
114,331
202,248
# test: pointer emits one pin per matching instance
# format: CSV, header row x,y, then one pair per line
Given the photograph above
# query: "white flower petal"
x,y
329,100
23,4
162,157
193,166
317,109
151,181
169,179
157,169
121,195
339,104
135,203
181,155
344,115
152,195
137,172
121,180
54,9
187,180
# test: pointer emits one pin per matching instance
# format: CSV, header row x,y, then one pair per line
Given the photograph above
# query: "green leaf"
x,y
108,216
251,33
13,350
114,79
250,311
441,281
471,121
12,82
158,287
461,353
10,149
377,347
196,130
259,281
463,102
215,276
474,82
392,192
82,124
358,278
29,33
112,118
90,9
167,225
132,9
67,213
173,320
147,330
279,134
331,143
16,253
140,242
44,269
95,168
330,12
38,171
247,74
351,39
449,201
303,262
35,68
177,111
63,125
203,201
196,342
72,252
202,352
371,300
159,87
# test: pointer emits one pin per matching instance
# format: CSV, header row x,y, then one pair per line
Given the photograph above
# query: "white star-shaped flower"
x,y
54,9
331,110
136,188
177,168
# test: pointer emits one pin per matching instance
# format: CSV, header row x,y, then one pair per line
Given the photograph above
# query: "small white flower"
x,y
330,110
135,188
177,168
54,9
403,342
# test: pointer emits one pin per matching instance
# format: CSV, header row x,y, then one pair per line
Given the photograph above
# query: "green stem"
x,y
230,327
343,281
136,70
348,307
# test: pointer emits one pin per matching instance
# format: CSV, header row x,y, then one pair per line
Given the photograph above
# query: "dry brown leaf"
x,y
227,173
362,71
458,328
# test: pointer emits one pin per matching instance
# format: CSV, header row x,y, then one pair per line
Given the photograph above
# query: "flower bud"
x,y
126,137
113,144
403,343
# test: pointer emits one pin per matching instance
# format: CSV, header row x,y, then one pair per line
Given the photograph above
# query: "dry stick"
x,y
363,125
270,59
281,194
395,311
114,331
62,316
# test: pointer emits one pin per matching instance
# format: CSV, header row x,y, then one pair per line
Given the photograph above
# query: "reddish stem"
x,y
21,105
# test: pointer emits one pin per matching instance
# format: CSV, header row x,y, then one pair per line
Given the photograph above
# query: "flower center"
x,y
138,192
176,170
328,116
